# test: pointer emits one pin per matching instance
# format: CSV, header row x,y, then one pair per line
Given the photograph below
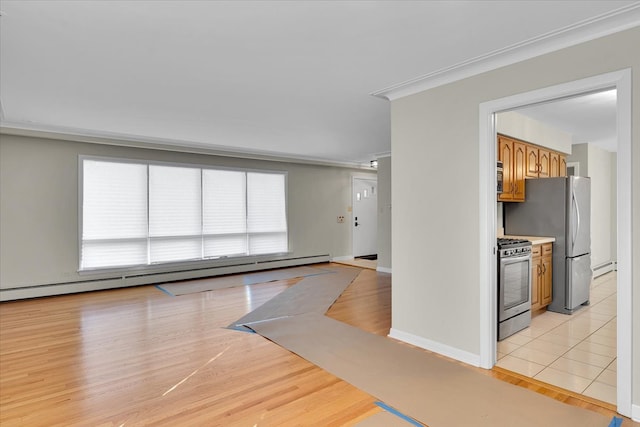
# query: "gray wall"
x,y
39,211
435,158
580,155
384,214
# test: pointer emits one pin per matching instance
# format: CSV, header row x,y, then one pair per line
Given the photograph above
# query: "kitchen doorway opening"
x,y
621,81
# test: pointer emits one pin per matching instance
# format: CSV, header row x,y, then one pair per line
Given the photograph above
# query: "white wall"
x,y
39,212
435,160
384,214
516,125
599,165
614,207
601,231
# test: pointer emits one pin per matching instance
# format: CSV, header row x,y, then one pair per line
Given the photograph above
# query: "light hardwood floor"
x,y
136,356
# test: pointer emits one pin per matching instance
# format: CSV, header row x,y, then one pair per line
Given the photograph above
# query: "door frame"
x,y
355,177
621,81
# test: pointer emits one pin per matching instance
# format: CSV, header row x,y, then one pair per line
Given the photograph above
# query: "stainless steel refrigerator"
x,y
560,208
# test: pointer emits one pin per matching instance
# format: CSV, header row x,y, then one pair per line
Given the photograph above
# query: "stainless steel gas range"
x,y
514,286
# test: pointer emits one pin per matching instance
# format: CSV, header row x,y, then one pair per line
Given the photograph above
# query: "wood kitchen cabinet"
x,y
558,164
541,276
522,160
538,162
512,154
554,162
563,165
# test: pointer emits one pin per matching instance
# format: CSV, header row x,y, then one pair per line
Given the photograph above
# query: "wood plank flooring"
x,y
136,356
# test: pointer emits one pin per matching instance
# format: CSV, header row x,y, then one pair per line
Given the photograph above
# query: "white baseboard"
x,y
150,278
436,347
383,269
342,258
635,413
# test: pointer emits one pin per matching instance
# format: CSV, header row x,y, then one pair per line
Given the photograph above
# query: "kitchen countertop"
x,y
536,240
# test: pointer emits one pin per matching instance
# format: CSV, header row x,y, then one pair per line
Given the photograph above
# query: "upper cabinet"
x,y
538,162
555,164
512,154
522,160
563,165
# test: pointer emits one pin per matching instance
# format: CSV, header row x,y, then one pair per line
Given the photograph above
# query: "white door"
x,y
365,217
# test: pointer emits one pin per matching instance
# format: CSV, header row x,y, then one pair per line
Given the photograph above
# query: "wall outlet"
x,y
340,219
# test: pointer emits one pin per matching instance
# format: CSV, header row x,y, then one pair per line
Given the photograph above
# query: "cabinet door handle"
x,y
539,270
544,266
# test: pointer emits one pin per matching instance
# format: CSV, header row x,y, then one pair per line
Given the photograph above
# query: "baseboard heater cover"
x,y
604,268
140,278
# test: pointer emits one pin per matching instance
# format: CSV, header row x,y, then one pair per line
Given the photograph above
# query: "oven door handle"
x,y
513,259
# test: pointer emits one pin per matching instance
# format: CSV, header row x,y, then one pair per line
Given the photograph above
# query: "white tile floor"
x,y
576,352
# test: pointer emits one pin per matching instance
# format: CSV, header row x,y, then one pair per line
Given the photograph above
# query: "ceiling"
x,y
589,118
288,79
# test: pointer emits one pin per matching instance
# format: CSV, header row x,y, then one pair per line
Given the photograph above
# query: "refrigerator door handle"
x,y
577,225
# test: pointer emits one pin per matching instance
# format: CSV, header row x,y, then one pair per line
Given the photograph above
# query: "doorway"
x,y
621,81
365,218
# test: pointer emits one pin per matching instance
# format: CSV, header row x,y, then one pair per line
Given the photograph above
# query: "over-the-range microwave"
x,y
499,176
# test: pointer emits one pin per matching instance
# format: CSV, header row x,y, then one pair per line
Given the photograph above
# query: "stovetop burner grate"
x,y
504,242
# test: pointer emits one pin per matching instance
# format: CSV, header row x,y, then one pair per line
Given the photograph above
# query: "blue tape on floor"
x,y
398,414
615,422
165,291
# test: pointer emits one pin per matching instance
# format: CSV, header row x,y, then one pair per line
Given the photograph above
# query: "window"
x,y
144,213
266,226
224,212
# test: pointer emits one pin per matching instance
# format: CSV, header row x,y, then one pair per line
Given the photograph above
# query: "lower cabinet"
x,y
541,275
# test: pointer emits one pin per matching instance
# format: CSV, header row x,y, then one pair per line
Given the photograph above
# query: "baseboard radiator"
x,y
147,278
604,268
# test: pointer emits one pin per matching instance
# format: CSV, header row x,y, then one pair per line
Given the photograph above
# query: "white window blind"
x,y
141,214
224,212
114,207
266,213
175,214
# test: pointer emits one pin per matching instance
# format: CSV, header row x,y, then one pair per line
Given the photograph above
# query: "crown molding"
x,y
599,26
165,144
